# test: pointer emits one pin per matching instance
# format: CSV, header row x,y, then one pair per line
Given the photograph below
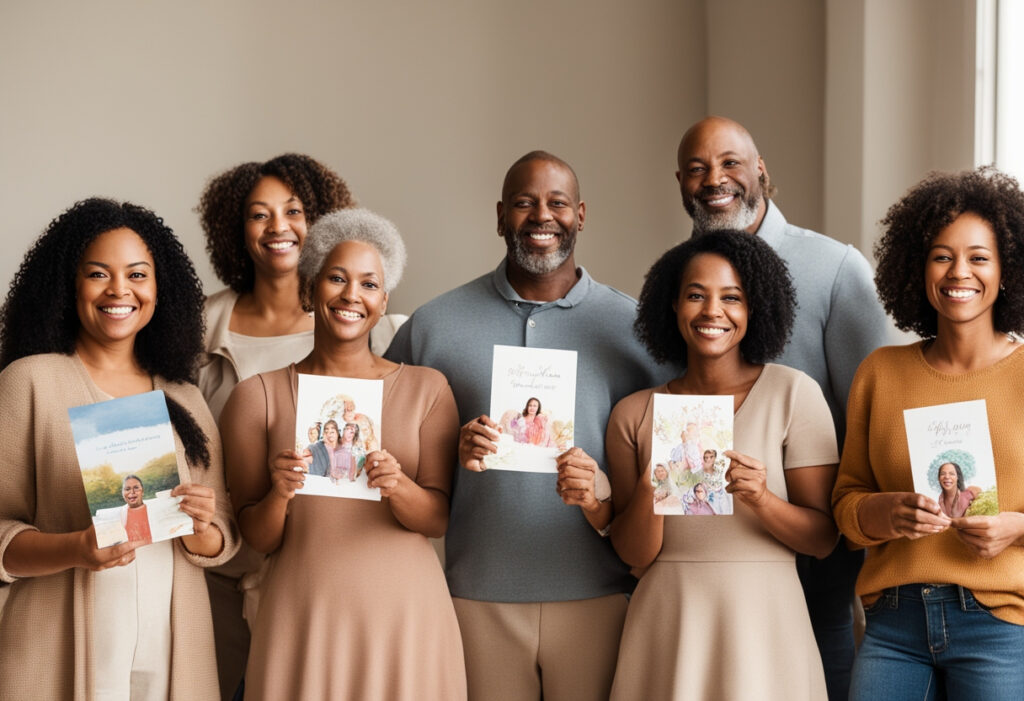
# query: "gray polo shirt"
x,y
510,537
839,319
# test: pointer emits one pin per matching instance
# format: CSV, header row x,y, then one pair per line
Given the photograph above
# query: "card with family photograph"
x,y
337,424
126,454
533,401
951,457
690,436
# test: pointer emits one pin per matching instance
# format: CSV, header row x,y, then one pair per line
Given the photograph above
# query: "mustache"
x,y
721,190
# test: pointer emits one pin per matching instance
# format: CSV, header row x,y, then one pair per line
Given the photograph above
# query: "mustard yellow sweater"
x,y
876,459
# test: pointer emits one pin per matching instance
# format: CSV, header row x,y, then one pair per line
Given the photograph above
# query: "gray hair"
x,y
351,225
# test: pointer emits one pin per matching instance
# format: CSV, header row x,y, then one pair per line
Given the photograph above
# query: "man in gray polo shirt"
x,y
839,320
539,593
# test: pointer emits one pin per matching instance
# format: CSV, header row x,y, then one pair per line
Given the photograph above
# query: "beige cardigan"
x,y
45,626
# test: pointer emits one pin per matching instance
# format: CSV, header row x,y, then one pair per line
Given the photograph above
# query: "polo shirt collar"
x,y
576,293
773,226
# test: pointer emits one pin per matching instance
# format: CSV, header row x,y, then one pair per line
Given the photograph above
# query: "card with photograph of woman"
x,y
691,435
126,454
951,457
533,401
337,423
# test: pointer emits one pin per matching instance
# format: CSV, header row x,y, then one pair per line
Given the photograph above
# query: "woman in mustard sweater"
x,y
943,596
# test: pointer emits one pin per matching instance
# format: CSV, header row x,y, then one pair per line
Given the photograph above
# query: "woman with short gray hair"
x,y
393,634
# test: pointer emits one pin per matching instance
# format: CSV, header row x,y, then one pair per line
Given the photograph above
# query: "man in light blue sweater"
x,y
839,321
539,593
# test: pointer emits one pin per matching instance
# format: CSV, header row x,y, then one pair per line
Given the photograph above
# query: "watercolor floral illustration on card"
x,y
691,435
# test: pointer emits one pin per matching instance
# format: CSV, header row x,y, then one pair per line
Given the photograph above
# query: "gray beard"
x,y
538,263
739,220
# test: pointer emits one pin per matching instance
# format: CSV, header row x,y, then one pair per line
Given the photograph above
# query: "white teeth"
x,y
710,331
959,294
280,245
720,200
116,311
542,237
345,314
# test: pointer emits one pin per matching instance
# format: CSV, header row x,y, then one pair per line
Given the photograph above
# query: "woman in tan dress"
x,y
393,635
255,216
719,612
106,304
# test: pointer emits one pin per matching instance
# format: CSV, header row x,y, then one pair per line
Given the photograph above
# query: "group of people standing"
x,y
565,586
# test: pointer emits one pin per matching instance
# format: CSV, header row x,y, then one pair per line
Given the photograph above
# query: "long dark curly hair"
x,y
44,289
222,208
911,225
771,301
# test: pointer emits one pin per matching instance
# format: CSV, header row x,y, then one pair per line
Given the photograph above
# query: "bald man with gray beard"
x,y
839,320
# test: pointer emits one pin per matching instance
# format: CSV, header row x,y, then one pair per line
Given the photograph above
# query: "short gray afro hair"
x,y
351,225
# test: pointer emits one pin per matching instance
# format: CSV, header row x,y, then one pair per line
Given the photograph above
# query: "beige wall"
x,y
900,103
766,69
421,106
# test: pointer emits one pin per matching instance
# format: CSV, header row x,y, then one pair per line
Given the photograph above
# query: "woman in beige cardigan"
x,y
106,304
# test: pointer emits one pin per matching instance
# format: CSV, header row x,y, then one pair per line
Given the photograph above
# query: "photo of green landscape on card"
x,y
126,454
103,485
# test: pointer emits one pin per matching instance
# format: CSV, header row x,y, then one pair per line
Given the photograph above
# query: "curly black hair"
x,y
222,208
44,288
771,301
911,225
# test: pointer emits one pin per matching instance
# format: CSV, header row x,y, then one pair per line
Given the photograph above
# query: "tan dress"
x,y
720,613
354,605
47,626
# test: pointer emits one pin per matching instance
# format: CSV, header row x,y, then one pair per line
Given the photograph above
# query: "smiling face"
x,y
349,297
720,177
948,477
115,288
711,309
963,272
349,435
532,407
313,434
275,227
709,459
539,216
131,492
660,473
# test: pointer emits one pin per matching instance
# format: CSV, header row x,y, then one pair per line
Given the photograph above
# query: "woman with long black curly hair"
x,y
105,304
943,594
719,612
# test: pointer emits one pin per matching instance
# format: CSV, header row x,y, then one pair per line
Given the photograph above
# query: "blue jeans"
x,y
932,642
